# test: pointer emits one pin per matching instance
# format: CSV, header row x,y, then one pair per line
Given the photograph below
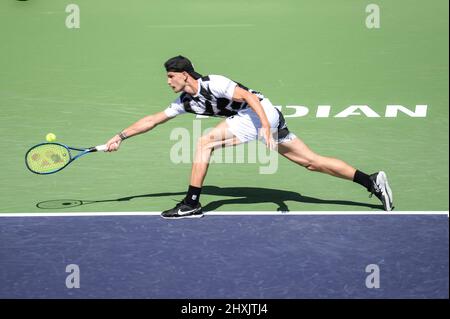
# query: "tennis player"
x,y
247,113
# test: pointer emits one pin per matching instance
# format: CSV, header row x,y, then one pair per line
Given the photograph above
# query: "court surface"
x,y
226,256
86,84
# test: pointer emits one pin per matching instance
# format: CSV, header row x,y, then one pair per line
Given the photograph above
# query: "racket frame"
x,y
83,151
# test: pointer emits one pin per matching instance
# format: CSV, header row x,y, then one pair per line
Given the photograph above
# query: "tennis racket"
x,y
49,158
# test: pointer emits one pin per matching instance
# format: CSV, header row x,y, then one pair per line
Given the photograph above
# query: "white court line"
x,y
247,213
199,25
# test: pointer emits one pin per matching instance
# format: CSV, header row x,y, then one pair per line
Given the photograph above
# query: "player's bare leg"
x,y
298,152
219,137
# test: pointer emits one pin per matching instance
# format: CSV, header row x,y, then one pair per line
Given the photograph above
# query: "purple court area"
x,y
225,256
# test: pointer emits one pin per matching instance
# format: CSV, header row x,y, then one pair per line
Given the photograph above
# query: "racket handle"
x,y
101,147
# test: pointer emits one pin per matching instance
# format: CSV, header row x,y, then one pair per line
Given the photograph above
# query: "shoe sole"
x,y
184,216
386,195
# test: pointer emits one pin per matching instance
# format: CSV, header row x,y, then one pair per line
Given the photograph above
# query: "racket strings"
x,y
47,158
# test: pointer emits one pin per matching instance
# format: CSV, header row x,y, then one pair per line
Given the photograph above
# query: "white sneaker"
x,y
380,187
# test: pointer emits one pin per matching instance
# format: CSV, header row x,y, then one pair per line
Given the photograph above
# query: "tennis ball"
x,y
50,137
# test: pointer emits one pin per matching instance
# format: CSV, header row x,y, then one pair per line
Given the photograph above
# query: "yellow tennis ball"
x,y
50,137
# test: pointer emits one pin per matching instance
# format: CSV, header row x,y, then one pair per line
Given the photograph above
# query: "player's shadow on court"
x,y
256,195
239,195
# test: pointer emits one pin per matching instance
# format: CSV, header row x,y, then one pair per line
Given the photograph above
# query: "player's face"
x,y
176,80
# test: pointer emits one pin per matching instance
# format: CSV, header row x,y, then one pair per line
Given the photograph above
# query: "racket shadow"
x,y
239,195
69,203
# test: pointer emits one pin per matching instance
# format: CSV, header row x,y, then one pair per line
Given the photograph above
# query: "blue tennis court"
x,y
365,83
225,255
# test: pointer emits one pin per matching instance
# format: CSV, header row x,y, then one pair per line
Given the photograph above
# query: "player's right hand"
x,y
267,134
113,144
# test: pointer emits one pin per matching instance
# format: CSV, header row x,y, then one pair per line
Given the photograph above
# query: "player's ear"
x,y
186,75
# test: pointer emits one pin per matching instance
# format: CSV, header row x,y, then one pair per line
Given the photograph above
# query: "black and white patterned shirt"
x,y
214,98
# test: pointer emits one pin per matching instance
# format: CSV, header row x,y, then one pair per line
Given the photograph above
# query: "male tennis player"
x,y
247,112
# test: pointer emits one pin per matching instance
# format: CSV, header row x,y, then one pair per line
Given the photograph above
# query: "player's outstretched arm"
x,y
145,124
